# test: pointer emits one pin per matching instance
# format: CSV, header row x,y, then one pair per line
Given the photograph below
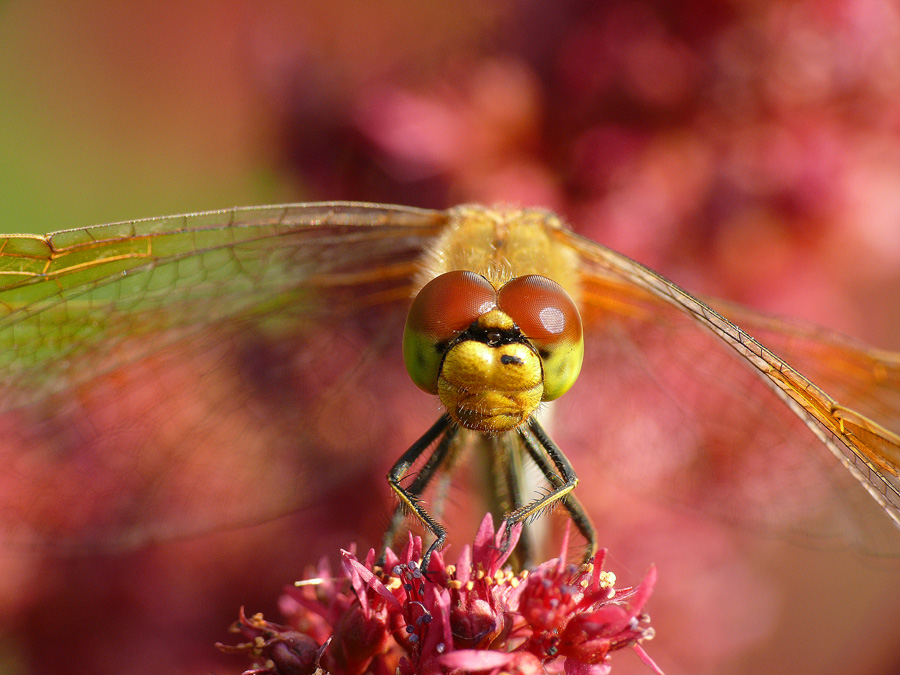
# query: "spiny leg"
x,y
576,512
410,497
562,484
424,477
570,502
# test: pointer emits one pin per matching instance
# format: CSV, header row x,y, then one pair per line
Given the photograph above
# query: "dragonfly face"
x,y
289,318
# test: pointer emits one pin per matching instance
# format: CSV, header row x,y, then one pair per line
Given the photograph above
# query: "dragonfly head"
x,y
493,355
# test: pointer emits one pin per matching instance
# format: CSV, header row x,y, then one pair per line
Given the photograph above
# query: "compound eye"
x,y
548,317
446,306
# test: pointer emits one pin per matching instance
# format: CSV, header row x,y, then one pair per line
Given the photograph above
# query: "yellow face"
x,y
492,355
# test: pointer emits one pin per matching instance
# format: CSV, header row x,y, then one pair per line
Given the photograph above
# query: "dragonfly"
x,y
151,370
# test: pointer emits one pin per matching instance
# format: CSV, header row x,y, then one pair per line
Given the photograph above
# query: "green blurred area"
x,y
112,113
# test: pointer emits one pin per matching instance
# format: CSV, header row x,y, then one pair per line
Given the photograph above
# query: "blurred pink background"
x,y
745,150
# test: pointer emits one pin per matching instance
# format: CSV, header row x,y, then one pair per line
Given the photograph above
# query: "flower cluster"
x,y
472,616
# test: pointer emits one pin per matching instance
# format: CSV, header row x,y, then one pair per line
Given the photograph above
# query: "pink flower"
x,y
475,616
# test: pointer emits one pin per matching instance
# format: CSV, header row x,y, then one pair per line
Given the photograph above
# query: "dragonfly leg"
x,y
410,501
562,484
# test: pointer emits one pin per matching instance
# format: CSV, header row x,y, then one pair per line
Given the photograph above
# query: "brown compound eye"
x,y
548,317
446,306
541,308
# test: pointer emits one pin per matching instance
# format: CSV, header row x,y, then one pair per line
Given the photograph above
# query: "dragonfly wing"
x,y
860,377
170,376
695,408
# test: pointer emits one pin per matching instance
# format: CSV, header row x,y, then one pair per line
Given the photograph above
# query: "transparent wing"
x,y
692,407
860,377
169,376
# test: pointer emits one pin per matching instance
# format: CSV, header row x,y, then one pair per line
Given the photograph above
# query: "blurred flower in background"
x,y
746,150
